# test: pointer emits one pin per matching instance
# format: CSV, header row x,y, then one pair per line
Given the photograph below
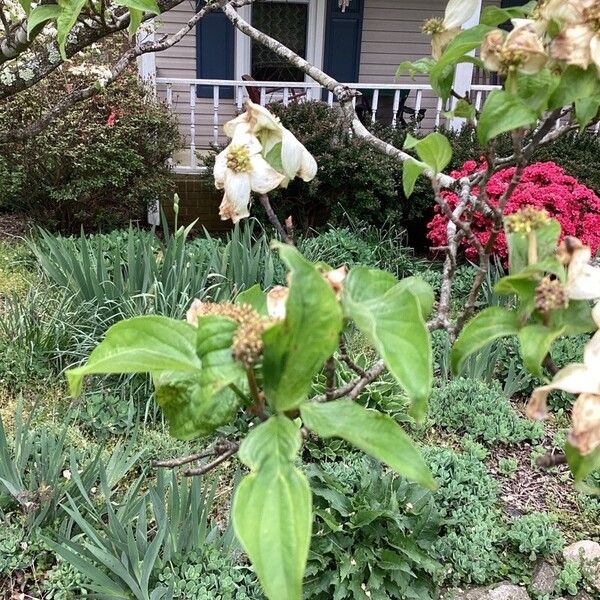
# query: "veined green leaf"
x,y
490,324
255,297
503,112
150,6
582,465
69,12
296,348
272,514
40,14
535,341
391,316
494,15
25,5
415,67
575,84
411,169
457,51
435,151
197,404
371,431
148,344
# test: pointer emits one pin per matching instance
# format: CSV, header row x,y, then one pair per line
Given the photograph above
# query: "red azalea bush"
x,y
544,186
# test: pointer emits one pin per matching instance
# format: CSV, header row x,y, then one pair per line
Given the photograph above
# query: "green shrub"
x,y
535,535
80,170
355,182
210,574
472,526
373,534
569,578
367,246
572,152
508,466
480,410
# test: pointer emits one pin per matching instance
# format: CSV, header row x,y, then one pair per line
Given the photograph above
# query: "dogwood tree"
x,y
273,354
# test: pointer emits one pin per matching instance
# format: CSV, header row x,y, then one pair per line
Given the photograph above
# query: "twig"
x,y
551,460
343,355
264,200
213,464
184,460
347,389
329,377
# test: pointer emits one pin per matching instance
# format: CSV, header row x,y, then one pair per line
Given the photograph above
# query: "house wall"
x,y
391,34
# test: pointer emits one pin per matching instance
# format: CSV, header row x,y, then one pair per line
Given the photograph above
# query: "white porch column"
x,y
147,62
463,77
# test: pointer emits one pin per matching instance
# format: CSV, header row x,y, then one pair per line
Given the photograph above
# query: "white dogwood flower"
x,y
293,158
443,31
241,169
583,283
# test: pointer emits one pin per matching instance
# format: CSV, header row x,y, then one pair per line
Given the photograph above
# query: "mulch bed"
x,y
14,226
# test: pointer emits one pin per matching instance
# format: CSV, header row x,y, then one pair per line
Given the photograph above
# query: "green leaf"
x,y
198,404
545,236
582,465
463,110
483,328
586,110
422,291
494,15
575,84
148,344
255,297
535,90
421,66
140,5
577,318
271,510
456,52
410,141
135,20
273,157
411,169
296,348
69,13
390,314
503,112
40,14
371,431
25,5
435,151
535,341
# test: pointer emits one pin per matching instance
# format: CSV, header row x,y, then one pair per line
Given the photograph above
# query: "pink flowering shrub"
x,y
543,185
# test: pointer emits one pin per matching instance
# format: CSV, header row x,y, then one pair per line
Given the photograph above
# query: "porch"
x,y
202,106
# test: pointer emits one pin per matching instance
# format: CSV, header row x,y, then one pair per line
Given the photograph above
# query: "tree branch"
x,y
119,67
343,93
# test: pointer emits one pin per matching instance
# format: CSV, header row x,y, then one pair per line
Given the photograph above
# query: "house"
x,y
204,77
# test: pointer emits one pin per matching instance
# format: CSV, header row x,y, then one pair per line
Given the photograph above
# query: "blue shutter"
x,y
215,42
343,35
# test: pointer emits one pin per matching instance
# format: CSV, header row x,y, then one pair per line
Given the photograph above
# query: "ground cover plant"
x,y
301,380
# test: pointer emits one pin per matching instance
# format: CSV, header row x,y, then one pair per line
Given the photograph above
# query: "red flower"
x,y
543,185
112,118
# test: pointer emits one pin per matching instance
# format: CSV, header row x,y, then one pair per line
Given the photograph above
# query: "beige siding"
x,y
391,35
180,60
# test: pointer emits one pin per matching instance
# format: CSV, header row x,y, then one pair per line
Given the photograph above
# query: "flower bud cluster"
x,y
550,295
526,220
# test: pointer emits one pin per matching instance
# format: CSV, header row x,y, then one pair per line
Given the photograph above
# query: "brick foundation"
x,y
198,200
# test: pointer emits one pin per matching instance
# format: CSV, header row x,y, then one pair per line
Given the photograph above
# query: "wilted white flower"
x,y
443,31
241,169
296,160
276,302
583,283
521,50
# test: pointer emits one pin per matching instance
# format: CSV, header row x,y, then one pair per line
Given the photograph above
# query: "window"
x,y
287,22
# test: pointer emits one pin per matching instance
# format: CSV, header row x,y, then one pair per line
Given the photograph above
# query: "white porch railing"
x,y
201,118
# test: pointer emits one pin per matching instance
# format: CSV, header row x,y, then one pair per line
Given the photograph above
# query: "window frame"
x,y
315,37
